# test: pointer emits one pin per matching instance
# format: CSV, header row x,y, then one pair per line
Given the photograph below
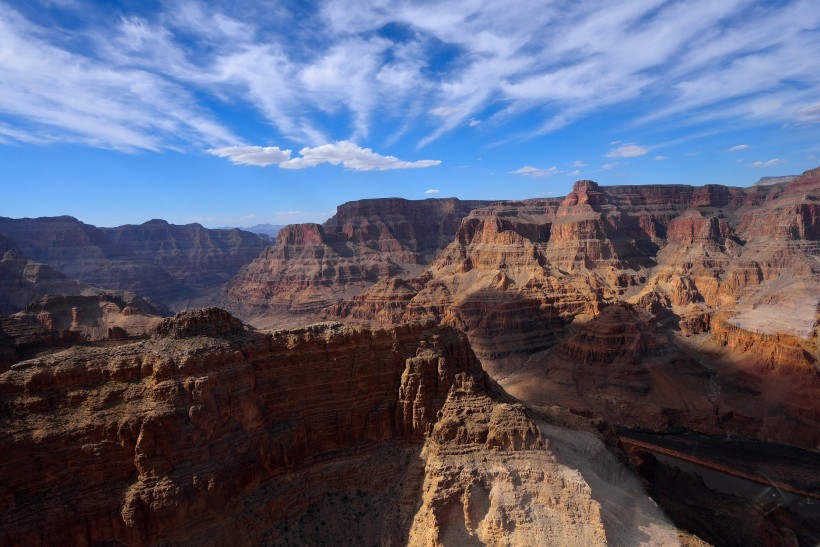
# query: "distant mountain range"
x,y
264,229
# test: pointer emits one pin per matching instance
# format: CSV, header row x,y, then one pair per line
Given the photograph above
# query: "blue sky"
x,y
241,112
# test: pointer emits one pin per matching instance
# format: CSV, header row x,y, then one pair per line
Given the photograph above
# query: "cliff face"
x,y
68,309
168,263
295,436
22,281
312,267
713,294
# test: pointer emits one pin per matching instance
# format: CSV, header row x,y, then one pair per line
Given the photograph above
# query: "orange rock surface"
x,y
719,288
209,433
312,267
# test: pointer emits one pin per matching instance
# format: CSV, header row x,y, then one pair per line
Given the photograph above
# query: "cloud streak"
x,y
630,150
770,163
534,172
175,78
345,153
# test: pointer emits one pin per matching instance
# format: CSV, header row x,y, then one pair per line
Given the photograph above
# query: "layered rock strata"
x,y
211,434
659,306
312,267
54,321
23,281
168,263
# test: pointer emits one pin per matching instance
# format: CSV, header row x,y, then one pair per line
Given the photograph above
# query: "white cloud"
x,y
530,171
660,158
575,173
609,166
579,163
162,80
771,163
253,155
629,150
344,153
432,191
739,147
445,111
809,113
473,122
352,157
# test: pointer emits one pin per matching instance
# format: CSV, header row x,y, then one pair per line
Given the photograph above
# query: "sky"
x,y
242,112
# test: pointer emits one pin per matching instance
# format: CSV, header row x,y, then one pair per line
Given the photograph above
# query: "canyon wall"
x,y
312,267
209,433
169,263
713,293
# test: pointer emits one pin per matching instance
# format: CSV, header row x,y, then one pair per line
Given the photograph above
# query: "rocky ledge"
x,y
212,434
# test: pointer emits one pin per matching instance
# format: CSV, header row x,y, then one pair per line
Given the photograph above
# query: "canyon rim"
x,y
356,272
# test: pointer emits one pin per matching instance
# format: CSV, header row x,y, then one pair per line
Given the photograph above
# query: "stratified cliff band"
x,y
212,434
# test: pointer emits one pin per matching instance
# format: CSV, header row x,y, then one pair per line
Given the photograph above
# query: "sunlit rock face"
x,y
717,286
312,267
210,433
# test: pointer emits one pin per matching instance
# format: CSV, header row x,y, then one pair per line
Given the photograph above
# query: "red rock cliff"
x,y
294,436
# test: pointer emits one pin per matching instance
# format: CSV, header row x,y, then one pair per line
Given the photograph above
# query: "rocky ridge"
x,y
293,436
68,309
168,263
313,266
719,287
23,281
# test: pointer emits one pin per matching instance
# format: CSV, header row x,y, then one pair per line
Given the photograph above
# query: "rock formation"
x,y
312,267
67,309
718,287
170,264
211,434
23,281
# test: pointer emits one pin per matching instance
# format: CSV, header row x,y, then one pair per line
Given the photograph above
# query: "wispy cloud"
x,y
444,111
629,150
739,147
261,156
432,191
530,171
178,76
809,114
344,153
579,163
47,89
660,158
770,163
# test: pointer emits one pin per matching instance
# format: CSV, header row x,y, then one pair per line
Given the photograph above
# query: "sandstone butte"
x,y
212,434
654,306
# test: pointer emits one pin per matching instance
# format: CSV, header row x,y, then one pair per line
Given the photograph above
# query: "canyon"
x,y
176,266
475,372
211,433
660,307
